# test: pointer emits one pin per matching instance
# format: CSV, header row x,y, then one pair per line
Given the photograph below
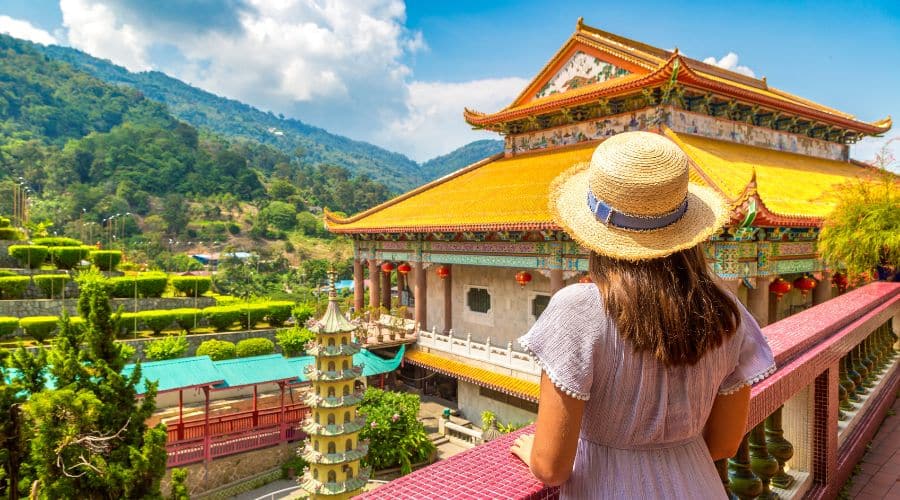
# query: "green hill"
x,y
460,157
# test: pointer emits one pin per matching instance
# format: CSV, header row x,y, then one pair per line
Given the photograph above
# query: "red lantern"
x,y
404,268
804,284
585,279
387,267
443,271
779,287
522,278
841,282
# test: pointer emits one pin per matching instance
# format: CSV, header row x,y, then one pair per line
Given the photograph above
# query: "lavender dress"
x,y
642,430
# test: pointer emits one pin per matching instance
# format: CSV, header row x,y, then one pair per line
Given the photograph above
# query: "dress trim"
x,y
550,373
733,388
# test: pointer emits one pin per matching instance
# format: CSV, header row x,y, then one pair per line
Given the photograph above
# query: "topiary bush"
x,y
157,321
217,350
191,286
68,257
254,347
279,312
51,285
8,326
302,313
13,287
10,234
187,318
4,222
171,347
39,328
57,241
222,317
31,256
145,285
106,260
292,341
252,314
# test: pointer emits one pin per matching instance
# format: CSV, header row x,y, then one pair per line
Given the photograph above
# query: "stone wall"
x,y
53,307
5,259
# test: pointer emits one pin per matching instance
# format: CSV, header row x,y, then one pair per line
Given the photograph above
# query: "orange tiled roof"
x,y
478,376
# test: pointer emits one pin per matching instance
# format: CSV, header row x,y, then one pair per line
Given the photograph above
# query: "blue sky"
x,y
398,74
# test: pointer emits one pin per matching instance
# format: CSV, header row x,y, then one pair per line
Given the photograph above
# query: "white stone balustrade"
x,y
504,357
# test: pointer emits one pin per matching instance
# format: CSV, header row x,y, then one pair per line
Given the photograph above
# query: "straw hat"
x,y
633,200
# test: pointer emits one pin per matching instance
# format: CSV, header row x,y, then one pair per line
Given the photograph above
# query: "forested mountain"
x,y
460,157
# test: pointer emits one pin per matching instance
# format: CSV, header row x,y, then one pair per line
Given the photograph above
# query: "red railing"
x,y
234,433
808,349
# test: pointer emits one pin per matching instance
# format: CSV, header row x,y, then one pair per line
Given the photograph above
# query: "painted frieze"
x,y
580,70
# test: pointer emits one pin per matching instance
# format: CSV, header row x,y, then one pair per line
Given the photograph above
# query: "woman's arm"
x,y
725,425
550,452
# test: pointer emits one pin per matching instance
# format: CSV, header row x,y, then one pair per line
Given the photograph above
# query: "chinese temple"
x,y
333,448
483,257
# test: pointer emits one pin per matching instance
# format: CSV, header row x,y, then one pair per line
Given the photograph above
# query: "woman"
x,y
646,371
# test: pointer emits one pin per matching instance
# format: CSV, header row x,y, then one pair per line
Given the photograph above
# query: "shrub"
x,y
293,340
254,347
302,313
171,347
31,256
57,242
222,317
396,436
251,314
68,257
157,321
13,287
39,327
191,286
4,222
279,312
217,350
10,234
146,285
4,273
51,285
106,260
187,318
8,326
129,322
294,465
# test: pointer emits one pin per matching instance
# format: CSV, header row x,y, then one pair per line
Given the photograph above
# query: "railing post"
x,y
861,370
847,387
780,448
824,442
509,351
761,463
742,481
722,469
855,377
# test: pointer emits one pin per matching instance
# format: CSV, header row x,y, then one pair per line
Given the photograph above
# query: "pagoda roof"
x,y
647,66
510,193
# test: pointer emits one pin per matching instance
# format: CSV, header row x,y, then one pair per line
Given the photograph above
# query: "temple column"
x,y
448,300
374,283
386,291
420,294
758,301
556,280
822,291
359,294
401,283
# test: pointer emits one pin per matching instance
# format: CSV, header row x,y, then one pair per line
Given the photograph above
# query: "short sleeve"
x,y
563,340
755,360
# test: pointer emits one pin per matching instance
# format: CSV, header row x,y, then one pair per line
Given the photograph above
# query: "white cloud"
x,y
730,62
94,28
882,151
25,30
433,123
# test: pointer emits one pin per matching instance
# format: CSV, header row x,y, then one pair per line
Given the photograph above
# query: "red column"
x,y
448,301
556,280
281,413
358,289
420,295
255,413
386,291
180,414
374,283
207,449
822,291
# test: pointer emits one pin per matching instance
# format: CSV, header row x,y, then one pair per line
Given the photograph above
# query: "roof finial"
x,y
332,283
676,51
765,83
579,24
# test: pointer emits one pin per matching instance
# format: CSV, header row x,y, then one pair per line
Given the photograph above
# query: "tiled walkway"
x,y
879,475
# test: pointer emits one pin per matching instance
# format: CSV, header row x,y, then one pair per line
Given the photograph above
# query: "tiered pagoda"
x,y
486,255
333,448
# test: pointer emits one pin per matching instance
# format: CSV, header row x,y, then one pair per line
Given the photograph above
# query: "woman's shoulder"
x,y
577,295
576,305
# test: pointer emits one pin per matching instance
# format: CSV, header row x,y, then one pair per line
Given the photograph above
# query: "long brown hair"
x,y
670,306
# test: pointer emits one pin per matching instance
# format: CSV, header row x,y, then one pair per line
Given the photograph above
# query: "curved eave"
x,y
456,228
765,217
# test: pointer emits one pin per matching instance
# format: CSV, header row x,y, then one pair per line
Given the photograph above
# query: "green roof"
x,y
171,374
373,364
255,370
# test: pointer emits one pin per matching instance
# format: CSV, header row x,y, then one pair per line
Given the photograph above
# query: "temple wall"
x,y
472,404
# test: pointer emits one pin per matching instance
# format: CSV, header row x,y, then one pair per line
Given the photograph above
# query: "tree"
x,y
280,214
396,436
90,439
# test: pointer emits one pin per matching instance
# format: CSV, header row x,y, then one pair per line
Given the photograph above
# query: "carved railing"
x,y
502,356
809,423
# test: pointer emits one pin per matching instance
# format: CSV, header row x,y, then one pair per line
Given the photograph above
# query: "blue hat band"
x,y
611,217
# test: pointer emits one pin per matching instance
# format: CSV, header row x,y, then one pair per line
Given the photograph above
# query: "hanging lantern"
x,y
387,267
404,268
585,279
443,271
779,287
804,284
840,281
523,278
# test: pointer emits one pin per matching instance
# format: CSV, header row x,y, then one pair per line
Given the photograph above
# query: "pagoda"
x,y
333,448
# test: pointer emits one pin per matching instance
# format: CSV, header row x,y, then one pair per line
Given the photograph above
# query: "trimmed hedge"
x,y
10,234
39,328
127,323
251,314
29,255
106,260
222,317
8,326
55,241
302,313
157,321
254,347
217,350
279,312
191,286
68,257
187,318
148,285
4,222
51,285
13,287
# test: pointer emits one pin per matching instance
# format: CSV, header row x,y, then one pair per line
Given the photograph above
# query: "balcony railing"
x,y
809,423
503,356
